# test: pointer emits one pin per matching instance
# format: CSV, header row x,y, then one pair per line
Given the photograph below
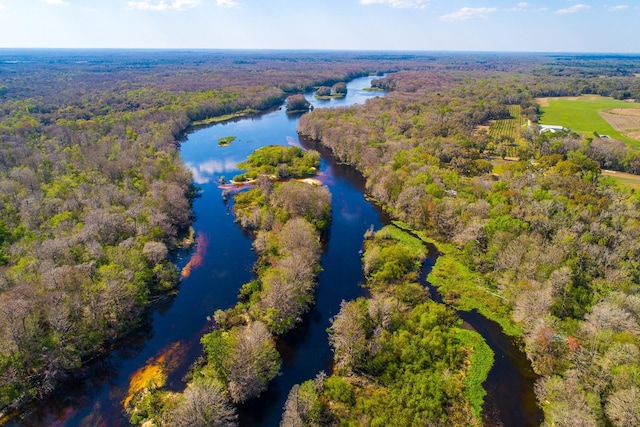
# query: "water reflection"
x,y
208,170
97,398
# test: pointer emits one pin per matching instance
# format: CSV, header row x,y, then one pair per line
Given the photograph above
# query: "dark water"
x,y
306,350
226,257
226,261
510,400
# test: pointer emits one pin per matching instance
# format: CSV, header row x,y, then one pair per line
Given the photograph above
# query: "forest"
x,y
95,199
545,245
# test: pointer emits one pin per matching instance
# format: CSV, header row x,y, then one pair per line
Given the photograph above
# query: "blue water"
x,y
227,260
179,322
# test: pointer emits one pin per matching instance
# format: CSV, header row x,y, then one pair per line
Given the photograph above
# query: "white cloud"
x,y
161,5
226,3
399,4
573,9
55,2
618,8
467,13
523,5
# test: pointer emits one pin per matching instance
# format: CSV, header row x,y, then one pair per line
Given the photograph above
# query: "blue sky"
x,y
468,25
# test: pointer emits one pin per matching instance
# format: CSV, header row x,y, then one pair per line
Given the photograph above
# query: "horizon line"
x,y
204,49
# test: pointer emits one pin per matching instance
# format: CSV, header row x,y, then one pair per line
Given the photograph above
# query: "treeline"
x,y
548,248
286,219
400,358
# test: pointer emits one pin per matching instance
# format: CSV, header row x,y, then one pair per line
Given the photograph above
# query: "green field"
x,y
512,128
624,180
581,115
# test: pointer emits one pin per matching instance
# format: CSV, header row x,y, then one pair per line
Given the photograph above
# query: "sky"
x,y
432,25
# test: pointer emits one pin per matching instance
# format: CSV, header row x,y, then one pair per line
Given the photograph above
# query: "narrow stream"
x,y
510,399
223,261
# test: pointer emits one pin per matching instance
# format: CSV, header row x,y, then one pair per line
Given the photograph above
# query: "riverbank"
x,y
400,344
223,118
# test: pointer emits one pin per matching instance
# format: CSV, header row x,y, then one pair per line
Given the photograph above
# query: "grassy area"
x,y
416,246
511,128
227,140
328,97
481,360
500,164
465,289
224,118
624,180
581,115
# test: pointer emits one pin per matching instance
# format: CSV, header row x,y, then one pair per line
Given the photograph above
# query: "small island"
x,y
338,90
227,140
279,162
297,104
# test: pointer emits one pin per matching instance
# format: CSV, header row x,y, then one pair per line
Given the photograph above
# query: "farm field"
x,y
510,128
583,115
625,120
625,180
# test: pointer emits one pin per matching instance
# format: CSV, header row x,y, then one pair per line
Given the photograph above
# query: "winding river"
x,y
222,262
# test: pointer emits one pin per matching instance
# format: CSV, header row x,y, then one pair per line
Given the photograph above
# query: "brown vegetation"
x,y
625,120
549,238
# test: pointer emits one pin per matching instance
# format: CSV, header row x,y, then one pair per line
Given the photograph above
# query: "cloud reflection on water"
x,y
207,171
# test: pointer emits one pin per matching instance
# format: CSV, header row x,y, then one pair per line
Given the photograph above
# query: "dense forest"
x,y
95,199
400,358
545,245
94,195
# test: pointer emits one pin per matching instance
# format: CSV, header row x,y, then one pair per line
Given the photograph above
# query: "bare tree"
x,y
155,251
252,363
204,405
623,408
348,336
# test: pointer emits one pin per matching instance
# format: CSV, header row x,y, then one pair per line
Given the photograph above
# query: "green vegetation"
x,y
280,163
339,90
535,248
400,359
465,290
227,140
581,115
511,127
481,359
223,118
286,219
461,287
94,195
625,181
507,133
297,104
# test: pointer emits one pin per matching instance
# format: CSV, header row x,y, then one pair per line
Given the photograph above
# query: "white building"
x,y
552,128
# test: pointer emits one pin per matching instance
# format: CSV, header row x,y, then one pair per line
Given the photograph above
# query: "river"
x,y
510,399
222,262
